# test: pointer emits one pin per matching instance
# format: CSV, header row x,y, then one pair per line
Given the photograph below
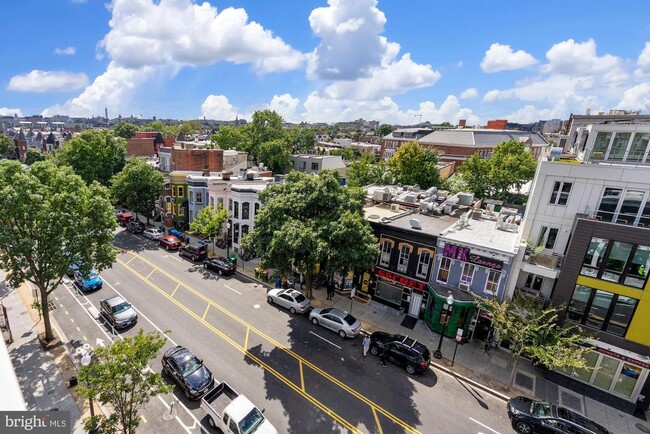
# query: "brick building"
x,y
146,144
187,158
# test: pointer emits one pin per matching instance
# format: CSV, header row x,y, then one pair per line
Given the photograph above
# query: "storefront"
x,y
401,292
462,313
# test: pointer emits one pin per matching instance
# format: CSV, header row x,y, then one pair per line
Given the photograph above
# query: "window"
x,y
639,147
608,204
443,271
639,265
468,273
229,204
314,166
181,192
492,284
245,210
244,231
302,165
624,206
619,146
403,262
601,310
616,261
235,238
212,202
220,202
423,264
622,262
235,211
534,282
594,257
630,206
547,237
384,258
600,145
191,197
560,194
257,208
199,198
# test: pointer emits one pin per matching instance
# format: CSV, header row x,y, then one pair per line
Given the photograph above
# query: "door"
x,y
285,300
416,304
332,322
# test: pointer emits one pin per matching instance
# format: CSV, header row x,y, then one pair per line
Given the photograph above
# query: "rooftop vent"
x,y
415,224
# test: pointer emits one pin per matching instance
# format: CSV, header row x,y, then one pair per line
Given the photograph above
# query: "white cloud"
x,y
501,58
6,111
67,51
469,93
148,33
285,105
48,81
580,58
644,58
218,107
636,98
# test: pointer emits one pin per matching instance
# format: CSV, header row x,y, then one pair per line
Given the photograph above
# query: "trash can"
x,y
73,381
232,258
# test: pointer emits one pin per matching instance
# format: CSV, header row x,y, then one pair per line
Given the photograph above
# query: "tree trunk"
x,y
513,373
308,278
45,308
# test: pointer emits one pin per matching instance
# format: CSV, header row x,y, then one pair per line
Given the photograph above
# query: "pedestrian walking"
x,y
330,290
366,345
383,356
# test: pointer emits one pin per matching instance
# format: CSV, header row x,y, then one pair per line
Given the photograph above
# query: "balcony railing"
x,y
551,261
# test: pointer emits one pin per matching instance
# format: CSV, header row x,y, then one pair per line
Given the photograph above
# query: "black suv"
x,y
528,417
135,226
401,350
194,251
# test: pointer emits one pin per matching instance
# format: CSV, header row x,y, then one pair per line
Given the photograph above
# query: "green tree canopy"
x,y
119,377
126,130
534,332
164,129
95,155
476,174
228,137
310,220
7,148
188,128
383,130
51,219
33,155
275,155
209,222
265,127
366,171
511,165
138,186
412,164
300,140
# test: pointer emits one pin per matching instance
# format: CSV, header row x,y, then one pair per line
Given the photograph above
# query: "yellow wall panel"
x,y
639,330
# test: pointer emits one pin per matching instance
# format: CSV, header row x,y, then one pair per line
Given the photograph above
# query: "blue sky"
x,y
325,61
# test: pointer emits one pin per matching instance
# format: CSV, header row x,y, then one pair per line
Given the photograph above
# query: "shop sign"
x,y
464,254
624,358
403,280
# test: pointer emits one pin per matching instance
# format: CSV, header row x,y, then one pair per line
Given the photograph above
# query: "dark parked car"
x,y
188,371
170,242
194,251
220,265
118,312
401,350
529,416
135,226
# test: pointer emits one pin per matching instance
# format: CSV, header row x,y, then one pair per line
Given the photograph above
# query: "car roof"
x,y
170,237
114,301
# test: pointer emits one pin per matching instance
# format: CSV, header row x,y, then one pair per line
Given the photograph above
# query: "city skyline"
x,y
319,61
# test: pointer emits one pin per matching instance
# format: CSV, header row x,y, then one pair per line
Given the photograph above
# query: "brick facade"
x,y
197,159
140,147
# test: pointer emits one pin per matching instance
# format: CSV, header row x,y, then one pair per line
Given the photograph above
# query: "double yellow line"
x,y
376,408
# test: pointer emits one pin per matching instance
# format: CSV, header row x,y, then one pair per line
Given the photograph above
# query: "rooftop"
x,y
432,225
480,137
486,233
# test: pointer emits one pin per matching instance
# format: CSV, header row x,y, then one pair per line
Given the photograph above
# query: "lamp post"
x,y
86,360
228,240
446,309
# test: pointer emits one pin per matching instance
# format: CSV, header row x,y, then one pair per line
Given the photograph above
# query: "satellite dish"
x,y
415,224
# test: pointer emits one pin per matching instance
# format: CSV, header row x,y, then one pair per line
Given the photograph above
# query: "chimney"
x,y
225,175
206,171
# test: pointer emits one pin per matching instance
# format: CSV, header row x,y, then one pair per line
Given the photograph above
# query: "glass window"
x,y
598,311
606,372
385,253
235,237
564,193
627,379
638,148
578,303
619,145
534,282
616,261
199,198
314,166
630,206
423,264
621,315
638,271
608,204
600,145
443,271
556,192
257,208
403,262
550,239
468,273
235,209
181,192
492,284
645,214
191,197
220,202
594,257
229,204
244,230
584,374
245,210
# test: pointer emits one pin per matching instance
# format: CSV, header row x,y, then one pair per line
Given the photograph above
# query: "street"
x,y
307,378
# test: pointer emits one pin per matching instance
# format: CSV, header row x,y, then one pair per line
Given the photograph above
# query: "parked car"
x,y
402,350
154,233
289,299
89,281
118,312
221,265
529,416
135,226
194,251
170,242
124,217
178,234
71,269
336,320
230,412
188,371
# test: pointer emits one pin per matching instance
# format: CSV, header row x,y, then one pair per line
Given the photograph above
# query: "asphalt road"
x,y
307,378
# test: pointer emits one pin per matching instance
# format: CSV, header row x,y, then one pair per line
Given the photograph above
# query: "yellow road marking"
x,y
61,304
315,368
374,413
255,359
144,419
56,298
176,289
246,340
206,311
85,338
67,313
302,378
149,275
71,319
131,259
78,329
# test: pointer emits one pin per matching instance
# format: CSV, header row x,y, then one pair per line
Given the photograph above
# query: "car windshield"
x,y
541,409
300,298
92,275
190,365
349,319
118,308
251,421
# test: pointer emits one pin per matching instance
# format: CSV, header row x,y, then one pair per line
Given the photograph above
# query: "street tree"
x,y
126,130
138,186
209,222
119,377
188,128
511,165
50,220
383,130
228,137
534,331
300,225
265,127
275,155
95,155
412,164
300,140
476,174
33,155
366,171
7,148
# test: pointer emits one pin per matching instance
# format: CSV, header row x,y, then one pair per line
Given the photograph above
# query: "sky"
x,y
394,61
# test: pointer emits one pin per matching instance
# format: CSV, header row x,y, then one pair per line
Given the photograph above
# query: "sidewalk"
x,y
42,386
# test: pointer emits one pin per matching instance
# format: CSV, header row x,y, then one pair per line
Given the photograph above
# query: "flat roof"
x,y
430,224
484,233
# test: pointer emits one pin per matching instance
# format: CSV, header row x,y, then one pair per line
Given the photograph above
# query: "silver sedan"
x,y
154,233
289,299
336,320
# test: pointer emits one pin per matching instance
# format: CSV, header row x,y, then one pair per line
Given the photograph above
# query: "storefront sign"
x,y
401,279
464,254
624,358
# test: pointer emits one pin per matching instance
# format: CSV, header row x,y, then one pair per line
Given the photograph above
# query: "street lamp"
x,y
446,309
228,240
86,360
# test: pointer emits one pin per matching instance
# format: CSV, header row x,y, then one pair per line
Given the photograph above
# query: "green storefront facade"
x,y
462,313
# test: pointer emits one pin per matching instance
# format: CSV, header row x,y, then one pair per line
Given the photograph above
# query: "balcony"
x,y
543,264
